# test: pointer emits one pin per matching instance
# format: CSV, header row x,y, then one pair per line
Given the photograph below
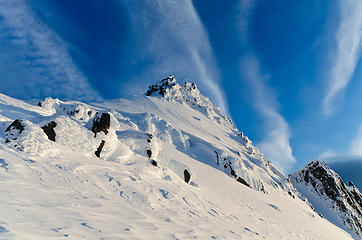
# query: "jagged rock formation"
x,y
329,195
189,94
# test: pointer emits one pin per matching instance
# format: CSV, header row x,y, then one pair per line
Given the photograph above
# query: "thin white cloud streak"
x,y
244,11
347,52
171,39
328,154
46,66
356,143
354,151
276,144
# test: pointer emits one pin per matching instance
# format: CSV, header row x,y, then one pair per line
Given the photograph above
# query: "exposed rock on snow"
x,y
240,180
329,195
153,162
16,125
14,130
26,136
99,149
149,153
187,176
49,130
101,123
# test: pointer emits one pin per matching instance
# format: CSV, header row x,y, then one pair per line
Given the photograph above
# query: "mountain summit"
x,y
189,94
164,165
325,189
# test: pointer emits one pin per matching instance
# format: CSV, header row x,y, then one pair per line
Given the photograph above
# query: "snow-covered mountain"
x,y
164,165
324,188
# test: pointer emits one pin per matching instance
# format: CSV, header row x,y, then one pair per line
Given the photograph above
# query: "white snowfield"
x,y
61,190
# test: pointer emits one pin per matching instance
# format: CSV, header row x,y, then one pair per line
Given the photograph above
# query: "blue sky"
x,y
288,72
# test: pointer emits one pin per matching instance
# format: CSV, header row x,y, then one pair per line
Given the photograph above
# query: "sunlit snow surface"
x,y
61,190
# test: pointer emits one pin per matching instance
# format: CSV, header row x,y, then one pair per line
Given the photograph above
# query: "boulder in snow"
x,y
187,176
101,123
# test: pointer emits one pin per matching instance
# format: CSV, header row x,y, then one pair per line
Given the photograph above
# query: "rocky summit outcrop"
x,y
330,197
188,93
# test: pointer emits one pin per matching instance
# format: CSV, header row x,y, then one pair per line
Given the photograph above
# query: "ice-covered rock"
x,y
27,137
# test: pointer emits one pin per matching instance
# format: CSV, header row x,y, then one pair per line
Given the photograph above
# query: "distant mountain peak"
x,y
342,204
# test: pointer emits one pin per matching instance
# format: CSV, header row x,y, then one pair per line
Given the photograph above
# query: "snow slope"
x,y
324,188
170,166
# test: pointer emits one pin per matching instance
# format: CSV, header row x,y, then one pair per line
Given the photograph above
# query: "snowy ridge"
x,y
145,167
327,192
232,162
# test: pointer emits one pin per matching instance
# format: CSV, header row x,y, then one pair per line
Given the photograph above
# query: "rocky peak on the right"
x,y
326,191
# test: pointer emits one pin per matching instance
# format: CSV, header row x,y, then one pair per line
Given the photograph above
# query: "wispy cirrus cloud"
x,y
354,152
171,39
356,143
244,11
276,144
347,52
35,61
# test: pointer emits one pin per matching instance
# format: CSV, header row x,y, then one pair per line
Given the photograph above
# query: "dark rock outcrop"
x,y
12,131
242,181
49,130
16,125
99,149
217,158
187,176
153,162
161,88
101,123
149,153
